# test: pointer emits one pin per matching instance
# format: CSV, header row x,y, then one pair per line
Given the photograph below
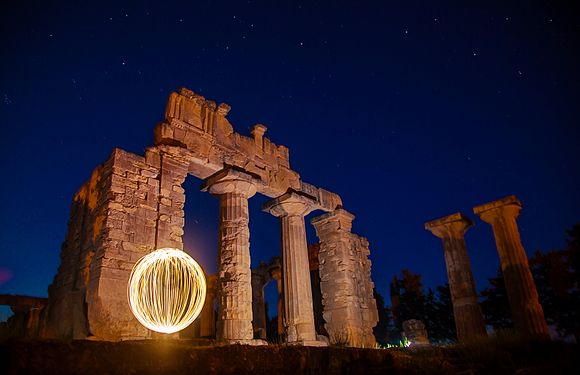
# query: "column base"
x,y
252,342
309,343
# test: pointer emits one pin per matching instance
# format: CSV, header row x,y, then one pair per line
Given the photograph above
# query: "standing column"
x,y
260,277
207,316
338,275
451,229
233,187
527,313
299,316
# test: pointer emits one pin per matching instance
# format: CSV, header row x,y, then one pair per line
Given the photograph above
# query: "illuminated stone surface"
x,y
469,320
298,313
350,310
133,205
234,319
527,313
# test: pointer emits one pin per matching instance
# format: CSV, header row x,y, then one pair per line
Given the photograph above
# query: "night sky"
x,y
409,110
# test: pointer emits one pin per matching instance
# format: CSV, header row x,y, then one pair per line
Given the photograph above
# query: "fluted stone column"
x,y
527,313
207,316
451,229
299,316
234,188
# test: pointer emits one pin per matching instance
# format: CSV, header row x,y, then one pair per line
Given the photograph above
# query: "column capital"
x,y
292,203
231,180
340,215
506,207
451,226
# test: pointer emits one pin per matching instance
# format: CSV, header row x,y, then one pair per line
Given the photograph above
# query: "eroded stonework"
x,y
350,310
134,204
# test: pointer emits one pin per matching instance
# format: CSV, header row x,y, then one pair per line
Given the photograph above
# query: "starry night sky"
x,y
409,110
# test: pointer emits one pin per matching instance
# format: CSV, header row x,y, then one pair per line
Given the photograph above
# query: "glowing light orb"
x,y
166,290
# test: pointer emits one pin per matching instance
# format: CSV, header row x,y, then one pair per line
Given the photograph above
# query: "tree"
x,y
557,277
385,330
435,310
495,303
442,317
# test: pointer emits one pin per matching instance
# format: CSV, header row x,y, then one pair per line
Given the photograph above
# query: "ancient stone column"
x,y
340,276
207,316
260,277
276,273
233,187
527,313
451,229
299,316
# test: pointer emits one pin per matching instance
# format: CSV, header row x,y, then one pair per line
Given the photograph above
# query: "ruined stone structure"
x,y
260,277
27,315
350,310
133,205
527,313
414,331
469,320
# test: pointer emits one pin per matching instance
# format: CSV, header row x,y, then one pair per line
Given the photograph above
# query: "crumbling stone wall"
x,y
113,224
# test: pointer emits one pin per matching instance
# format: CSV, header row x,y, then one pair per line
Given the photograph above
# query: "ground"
x,y
185,357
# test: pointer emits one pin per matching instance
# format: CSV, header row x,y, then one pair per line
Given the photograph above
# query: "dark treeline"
x,y
557,277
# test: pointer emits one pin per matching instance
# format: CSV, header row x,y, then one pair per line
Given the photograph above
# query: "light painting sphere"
x,y
166,290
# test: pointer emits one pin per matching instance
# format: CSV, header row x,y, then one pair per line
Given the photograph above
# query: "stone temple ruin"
x,y
133,204
527,313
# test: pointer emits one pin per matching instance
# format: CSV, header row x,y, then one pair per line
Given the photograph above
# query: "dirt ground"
x,y
184,357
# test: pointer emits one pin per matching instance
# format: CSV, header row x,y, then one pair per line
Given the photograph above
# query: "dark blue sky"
x,y
409,110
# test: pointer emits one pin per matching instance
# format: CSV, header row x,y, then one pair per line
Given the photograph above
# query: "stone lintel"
x,y
449,226
510,200
291,203
228,181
